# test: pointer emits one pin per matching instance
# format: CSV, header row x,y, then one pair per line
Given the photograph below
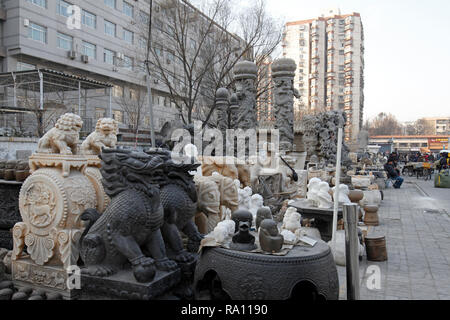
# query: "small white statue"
x,y
313,190
343,194
223,230
245,198
257,202
323,196
291,220
289,237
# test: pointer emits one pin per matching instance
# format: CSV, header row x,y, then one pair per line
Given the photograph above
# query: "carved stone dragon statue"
x,y
129,229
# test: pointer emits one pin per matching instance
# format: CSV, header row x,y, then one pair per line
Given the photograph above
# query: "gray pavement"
x,y
416,224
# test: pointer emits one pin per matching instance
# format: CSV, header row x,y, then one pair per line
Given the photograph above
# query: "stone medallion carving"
x,y
51,206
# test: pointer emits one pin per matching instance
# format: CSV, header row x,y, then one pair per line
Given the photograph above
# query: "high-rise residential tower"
x,y
329,52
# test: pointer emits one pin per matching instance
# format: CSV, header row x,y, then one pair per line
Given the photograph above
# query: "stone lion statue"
x,y
63,138
227,166
104,136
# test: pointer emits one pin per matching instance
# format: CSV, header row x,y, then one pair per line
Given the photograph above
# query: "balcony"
x,y
330,28
349,26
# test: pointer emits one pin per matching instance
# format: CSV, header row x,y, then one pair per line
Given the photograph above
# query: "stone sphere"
x,y
222,94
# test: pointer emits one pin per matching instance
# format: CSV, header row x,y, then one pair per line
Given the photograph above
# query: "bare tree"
x,y
193,50
54,107
384,124
133,105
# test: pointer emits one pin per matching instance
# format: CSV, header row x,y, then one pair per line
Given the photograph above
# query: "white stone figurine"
x,y
257,202
223,230
289,237
313,190
324,197
245,198
343,194
291,220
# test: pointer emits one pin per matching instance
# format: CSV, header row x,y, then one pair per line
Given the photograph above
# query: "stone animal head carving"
x,y
107,126
69,122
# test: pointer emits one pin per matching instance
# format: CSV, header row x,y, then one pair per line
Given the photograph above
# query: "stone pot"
x,y
371,216
10,170
355,196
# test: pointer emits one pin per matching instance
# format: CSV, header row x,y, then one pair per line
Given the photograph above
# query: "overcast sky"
x,y
407,52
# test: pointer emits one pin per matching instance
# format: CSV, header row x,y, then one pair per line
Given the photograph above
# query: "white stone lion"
x,y
104,136
63,138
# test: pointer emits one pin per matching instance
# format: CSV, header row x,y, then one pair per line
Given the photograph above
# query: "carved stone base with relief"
x,y
51,202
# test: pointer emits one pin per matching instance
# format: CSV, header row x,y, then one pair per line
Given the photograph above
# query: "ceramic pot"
x,y
355,196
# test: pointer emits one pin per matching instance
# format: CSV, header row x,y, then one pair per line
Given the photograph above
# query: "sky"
x,y
407,52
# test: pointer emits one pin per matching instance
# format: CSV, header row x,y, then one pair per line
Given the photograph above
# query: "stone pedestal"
x,y
51,202
49,278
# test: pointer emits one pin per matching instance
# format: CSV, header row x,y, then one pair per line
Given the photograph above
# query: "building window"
x,y
341,52
110,28
341,82
159,51
159,25
142,43
133,95
110,3
170,56
99,113
144,17
341,68
64,41
89,49
63,8
40,3
127,63
37,32
22,66
89,19
118,116
128,9
108,56
118,91
128,36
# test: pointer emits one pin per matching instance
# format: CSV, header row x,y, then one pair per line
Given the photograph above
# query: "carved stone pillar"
x,y
283,73
245,73
222,110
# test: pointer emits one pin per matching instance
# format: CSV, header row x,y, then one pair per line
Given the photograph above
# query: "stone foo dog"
x,y
63,138
103,136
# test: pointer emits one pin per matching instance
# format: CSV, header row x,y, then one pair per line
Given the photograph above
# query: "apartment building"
x,y
329,52
441,125
106,46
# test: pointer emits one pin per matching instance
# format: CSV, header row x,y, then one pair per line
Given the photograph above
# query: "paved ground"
x,y
416,224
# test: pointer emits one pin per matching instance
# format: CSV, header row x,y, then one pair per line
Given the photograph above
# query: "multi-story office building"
x,y
106,46
329,52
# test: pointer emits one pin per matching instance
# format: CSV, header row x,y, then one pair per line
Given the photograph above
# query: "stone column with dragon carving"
x,y
51,202
245,73
283,73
